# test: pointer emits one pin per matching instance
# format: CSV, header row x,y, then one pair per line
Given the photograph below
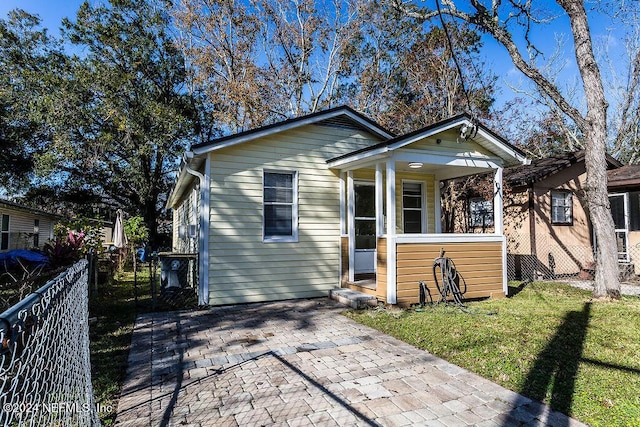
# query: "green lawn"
x,y
549,342
115,308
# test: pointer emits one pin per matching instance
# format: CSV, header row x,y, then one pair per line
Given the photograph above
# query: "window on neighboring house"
x,y
36,233
634,211
481,212
280,207
4,233
561,207
412,209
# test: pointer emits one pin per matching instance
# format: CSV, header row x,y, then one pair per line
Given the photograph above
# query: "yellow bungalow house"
x,y
332,199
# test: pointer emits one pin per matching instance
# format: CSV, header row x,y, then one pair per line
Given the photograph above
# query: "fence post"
x,y
152,278
45,370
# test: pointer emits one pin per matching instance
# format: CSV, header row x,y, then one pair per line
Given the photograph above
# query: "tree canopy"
x,y
510,24
264,61
26,53
121,113
103,122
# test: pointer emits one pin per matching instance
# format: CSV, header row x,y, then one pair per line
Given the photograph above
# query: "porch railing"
x,y
45,374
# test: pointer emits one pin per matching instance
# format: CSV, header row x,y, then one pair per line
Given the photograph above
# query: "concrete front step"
x,y
353,299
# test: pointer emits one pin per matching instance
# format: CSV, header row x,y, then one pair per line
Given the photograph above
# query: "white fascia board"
x,y
436,130
509,151
449,238
183,180
288,126
375,129
357,160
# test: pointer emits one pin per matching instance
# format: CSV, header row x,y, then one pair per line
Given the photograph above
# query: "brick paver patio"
x,y
300,363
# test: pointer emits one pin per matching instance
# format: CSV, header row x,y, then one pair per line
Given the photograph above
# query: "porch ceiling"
x,y
456,150
440,171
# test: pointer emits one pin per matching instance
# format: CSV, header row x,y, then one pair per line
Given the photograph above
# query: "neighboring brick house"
x,y
547,224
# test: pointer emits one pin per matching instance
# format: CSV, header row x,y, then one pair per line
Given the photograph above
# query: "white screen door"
x,y
365,227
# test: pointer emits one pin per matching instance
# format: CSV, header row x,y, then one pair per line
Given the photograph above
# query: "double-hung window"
x,y
412,207
280,206
561,207
4,232
481,212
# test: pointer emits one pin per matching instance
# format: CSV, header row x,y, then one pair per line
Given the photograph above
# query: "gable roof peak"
x,y
337,116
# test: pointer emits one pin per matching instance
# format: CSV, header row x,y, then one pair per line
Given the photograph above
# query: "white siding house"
x,y
297,208
22,227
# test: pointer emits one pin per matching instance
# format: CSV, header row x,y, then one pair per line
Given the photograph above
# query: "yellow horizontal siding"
x,y
449,145
238,276
226,299
300,255
236,247
243,268
479,264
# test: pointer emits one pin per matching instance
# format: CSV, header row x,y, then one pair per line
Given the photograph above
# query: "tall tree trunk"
x,y
594,129
593,126
607,281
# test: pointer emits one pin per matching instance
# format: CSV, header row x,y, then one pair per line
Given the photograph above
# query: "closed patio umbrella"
x,y
119,236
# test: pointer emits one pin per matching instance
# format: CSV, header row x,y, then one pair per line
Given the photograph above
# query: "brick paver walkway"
x,y
300,363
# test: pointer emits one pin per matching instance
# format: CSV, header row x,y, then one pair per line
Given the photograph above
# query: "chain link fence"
x,y
45,373
549,257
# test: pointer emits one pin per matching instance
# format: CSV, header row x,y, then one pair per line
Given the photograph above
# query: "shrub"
x,y
65,250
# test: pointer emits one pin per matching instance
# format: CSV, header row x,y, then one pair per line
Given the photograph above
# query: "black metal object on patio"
x,y
451,283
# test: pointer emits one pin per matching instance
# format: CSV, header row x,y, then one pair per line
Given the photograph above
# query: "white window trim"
x,y
294,214
568,207
423,203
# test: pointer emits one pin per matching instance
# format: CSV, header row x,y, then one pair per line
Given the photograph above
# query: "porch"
x,y
391,214
479,260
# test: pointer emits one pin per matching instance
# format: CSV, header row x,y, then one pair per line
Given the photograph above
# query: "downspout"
x,y
203,226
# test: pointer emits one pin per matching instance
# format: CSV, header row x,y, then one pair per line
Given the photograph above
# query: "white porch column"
x,y
379,201
498,225
343,219
350,218
498,215
438,205
391,232
343,211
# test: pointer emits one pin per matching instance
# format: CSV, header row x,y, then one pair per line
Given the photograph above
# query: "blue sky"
x,y
52,11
